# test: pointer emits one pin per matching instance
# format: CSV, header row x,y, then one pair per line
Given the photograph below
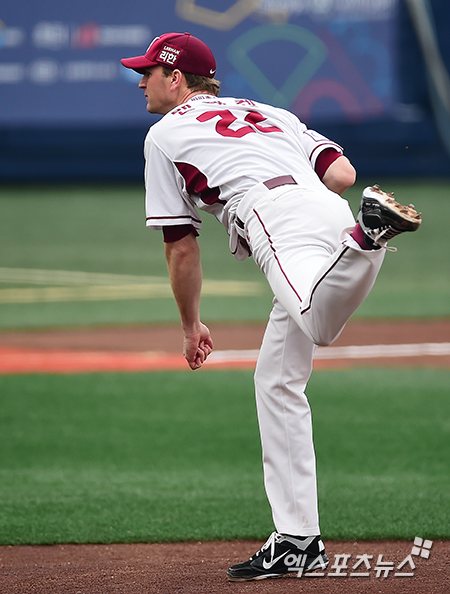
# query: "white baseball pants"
x,y
319,276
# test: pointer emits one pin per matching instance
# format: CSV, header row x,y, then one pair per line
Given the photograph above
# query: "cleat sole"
x,y
406,217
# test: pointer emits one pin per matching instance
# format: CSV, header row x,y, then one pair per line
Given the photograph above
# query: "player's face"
x,y
156,87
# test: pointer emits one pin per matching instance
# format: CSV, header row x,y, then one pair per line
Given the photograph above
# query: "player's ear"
x,y
177,78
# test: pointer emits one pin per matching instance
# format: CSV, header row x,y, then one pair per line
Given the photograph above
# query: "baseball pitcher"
x,y
276,187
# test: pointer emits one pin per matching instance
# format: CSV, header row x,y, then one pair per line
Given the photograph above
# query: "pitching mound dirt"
x,y
194,568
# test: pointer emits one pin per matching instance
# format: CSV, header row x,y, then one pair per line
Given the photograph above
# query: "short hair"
x,y
196,82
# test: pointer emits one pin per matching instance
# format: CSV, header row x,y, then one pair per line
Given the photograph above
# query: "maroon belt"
x,y
271,184
282,180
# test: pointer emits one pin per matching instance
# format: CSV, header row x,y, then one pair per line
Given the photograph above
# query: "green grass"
x,y
96,229
383,435
176,456
101,229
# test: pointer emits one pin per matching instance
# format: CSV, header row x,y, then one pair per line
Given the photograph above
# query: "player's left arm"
x,y
185,271
340,175
328,161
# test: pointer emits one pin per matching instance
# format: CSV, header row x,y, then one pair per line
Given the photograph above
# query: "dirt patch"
x,y
167,338
146,348
190,568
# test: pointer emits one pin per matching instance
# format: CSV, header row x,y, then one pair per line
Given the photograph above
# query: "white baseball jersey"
x,y
207,153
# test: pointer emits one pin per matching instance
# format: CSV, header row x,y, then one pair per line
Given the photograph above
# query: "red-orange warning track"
x,y
394,343
21,360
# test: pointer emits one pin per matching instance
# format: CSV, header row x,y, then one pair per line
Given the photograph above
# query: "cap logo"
x,y
169,55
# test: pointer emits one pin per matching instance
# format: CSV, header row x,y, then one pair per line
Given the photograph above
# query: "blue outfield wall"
x,y
355,72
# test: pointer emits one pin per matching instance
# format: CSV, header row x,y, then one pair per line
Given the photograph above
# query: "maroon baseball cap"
x,y
176,50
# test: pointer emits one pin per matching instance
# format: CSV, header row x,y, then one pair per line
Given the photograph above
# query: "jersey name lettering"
x,y
244,102
226,118
182,110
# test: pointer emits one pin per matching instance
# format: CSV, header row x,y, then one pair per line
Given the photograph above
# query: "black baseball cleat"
x,y
280,555
382,218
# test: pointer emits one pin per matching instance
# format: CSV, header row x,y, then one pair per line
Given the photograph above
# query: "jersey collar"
x,y
201,97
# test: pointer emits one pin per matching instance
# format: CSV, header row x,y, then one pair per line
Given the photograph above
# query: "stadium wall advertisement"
x,y
353,69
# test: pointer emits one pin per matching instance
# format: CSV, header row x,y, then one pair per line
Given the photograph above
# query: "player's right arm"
x,y
185,271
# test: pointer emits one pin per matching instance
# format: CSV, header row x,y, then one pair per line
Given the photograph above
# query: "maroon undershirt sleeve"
x,y
325,159
176,232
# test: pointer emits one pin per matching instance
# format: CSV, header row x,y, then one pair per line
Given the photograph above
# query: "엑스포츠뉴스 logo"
x,y
361,565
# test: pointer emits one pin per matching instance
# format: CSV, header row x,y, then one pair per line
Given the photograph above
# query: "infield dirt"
x,y
140,348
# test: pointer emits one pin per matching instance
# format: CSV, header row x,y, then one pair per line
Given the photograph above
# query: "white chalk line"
x,y
376,351
92,286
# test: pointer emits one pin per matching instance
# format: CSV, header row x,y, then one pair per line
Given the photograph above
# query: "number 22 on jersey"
x,y
226,118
